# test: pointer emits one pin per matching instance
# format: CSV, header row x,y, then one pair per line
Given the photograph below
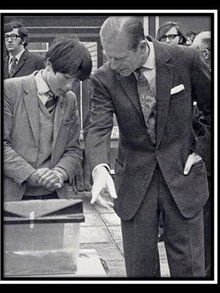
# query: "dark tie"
x,y
13,66
148,103
51,102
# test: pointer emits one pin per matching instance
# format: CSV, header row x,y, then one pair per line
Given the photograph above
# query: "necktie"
x,y
51,102
13,66
148,103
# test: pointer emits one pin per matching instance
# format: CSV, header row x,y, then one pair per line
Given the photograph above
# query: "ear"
x,y
205,53
48,65
24,40
143,44
180,39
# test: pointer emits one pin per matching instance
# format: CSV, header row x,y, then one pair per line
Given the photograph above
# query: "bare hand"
x,y
48,179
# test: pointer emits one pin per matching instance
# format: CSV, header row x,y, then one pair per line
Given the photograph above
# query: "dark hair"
x,y
22,31
69,55
165,27
116,25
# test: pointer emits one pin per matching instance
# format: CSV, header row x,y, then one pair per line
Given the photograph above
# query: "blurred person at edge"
x,y
170,32
16,42
202,43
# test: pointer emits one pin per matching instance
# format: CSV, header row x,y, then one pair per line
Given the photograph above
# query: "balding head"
x,y
202,42
120,27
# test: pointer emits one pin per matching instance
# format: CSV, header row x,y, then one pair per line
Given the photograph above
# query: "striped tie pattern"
x,y
51,102
13,66
148,103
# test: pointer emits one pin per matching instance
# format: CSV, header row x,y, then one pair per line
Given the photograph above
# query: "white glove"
x,y
103,190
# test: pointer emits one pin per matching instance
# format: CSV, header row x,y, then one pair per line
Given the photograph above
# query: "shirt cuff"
x,y
100,165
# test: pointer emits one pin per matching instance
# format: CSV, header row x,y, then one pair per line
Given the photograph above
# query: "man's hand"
x,y
33,179
49,179
103,185
192,159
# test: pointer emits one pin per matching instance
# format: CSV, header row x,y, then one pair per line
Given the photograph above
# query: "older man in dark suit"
x,y
19,61
161,164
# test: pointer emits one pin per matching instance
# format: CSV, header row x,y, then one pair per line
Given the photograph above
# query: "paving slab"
x,y
95,235
116,269
110,219
116,233
92,220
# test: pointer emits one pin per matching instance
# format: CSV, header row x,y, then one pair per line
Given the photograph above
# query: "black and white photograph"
x,y
109,146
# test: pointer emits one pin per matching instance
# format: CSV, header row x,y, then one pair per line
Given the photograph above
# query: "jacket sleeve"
x,y
15,166
98,130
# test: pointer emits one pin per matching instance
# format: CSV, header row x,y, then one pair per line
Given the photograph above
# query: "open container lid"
x,y
43,211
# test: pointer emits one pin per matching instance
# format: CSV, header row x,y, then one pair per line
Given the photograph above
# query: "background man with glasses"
x,y
19,61
170,32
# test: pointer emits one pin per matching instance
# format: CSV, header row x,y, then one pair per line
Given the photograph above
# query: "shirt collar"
x,y
42,86
150,63
18,56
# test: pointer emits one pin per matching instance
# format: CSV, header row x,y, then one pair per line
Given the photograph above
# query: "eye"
x,y
67,76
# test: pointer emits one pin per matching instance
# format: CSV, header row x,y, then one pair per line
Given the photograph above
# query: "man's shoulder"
x,y
33,56
104,72
6,57
178,49
19,80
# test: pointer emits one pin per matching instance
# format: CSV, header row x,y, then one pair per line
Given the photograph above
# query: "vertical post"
x,y
81,104
157,24
146,25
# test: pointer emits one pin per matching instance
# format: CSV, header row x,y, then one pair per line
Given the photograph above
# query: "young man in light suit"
x,y
16,42
161,164
42,151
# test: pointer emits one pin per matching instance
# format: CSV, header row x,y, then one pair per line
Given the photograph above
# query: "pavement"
x,y
101,232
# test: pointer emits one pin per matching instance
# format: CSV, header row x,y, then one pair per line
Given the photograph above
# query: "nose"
x,y
9,40
167,40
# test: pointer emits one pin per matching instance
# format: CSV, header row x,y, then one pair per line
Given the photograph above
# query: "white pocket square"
x,y
177,89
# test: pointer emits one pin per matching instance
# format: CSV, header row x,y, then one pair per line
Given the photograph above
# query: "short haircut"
x,y
114,26
22,30
166,26
70,56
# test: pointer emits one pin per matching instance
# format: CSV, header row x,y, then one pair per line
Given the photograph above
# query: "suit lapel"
x,y
129,86
164,79
31,103
21,62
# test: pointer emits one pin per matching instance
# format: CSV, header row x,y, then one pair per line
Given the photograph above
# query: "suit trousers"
x,y
208,230
183,237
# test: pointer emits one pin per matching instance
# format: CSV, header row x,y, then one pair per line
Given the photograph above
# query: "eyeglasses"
x,y
170,37
12,36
